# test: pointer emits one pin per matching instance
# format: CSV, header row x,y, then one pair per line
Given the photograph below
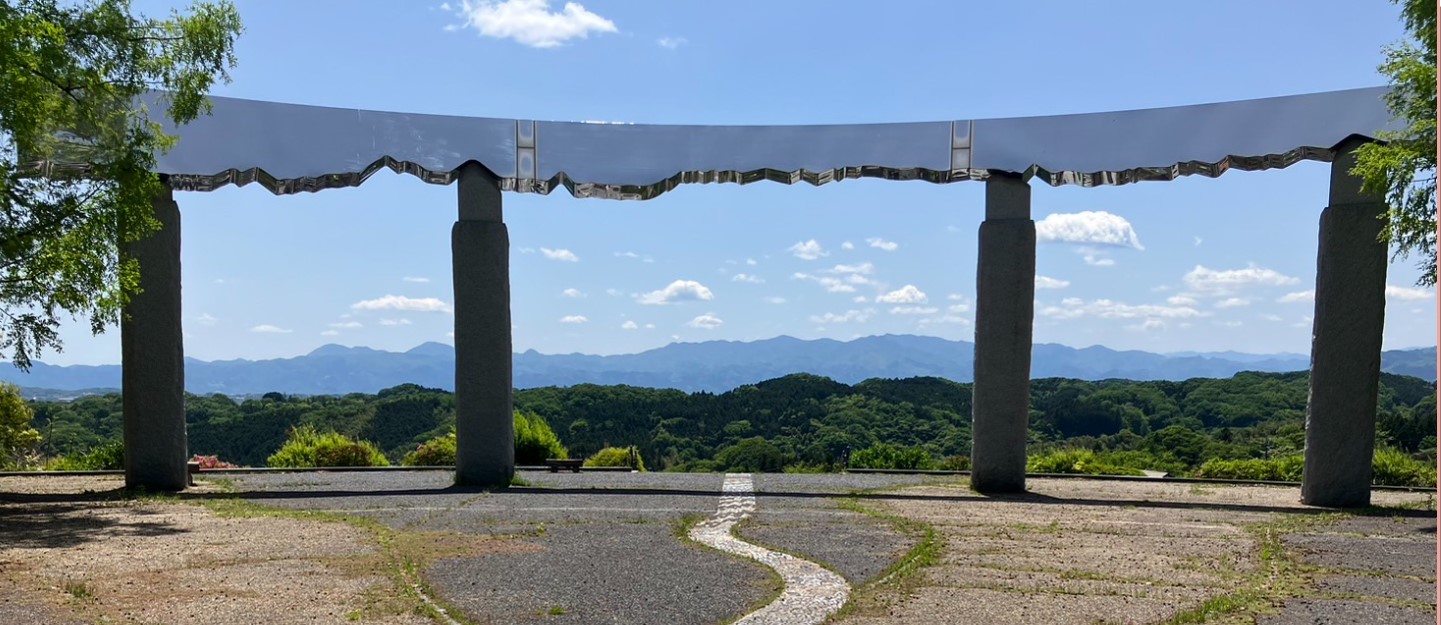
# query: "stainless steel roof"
x,y
291,148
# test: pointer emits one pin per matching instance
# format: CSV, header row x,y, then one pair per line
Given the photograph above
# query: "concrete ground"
x,y
609,548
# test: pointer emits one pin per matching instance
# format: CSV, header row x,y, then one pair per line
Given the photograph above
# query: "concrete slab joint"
x,y
480,254
1005,307
153,360
1346,342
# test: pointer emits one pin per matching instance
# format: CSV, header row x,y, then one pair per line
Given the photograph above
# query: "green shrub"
x,y
1282,469
16,435
1078,461
534,440
307,447
436,452
616,457
752,455
885,456
955,463
1393,467
107,457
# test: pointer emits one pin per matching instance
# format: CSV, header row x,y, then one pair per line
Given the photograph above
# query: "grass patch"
x,y
79,590
926,552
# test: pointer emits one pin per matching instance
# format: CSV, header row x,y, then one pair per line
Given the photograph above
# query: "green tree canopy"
x,y
71,76
1405,166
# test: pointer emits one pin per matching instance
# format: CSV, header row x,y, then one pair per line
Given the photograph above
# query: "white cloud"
x,y
850,316
1042,282
1269,317
1097,259
1181,300
206,320
346,325
946,319
330,333
914,310
1298,296
613,292
741,277
907,294
1304,322
808,250
1233,302
574,319
573,293
882,244
400,302
1073,307
1198,241
415,279
775,300
678,291
1150,324
863,268
1208,280
561,254
959,308
529,22
671,43
395,322
650,326
956,297
848,245
860,299
831,283
751,261
526,250
1401,292
1088,227
641,257
629,325
266,328
707,321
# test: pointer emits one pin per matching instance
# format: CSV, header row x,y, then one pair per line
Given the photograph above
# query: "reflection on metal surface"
x,y
291,148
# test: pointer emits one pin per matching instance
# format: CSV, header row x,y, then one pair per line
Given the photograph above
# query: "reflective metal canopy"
x,y
291,148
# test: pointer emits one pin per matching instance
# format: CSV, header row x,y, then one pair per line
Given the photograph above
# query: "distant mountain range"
x,y
714,366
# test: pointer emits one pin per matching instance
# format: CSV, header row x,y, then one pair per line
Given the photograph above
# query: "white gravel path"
x,y
811,592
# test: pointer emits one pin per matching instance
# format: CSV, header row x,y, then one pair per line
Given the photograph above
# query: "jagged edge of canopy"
x,y
287,186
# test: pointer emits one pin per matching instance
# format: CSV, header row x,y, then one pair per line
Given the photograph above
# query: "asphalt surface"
x,y
1382,570
602,547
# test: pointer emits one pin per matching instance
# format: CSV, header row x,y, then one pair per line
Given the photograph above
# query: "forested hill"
x,y
795,420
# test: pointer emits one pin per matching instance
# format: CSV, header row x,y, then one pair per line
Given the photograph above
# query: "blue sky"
x,y
1195,264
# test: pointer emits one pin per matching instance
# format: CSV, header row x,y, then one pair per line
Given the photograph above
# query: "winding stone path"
x,y
811,592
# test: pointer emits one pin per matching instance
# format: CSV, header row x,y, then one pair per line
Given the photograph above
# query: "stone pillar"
x,y
480,253
1005,307
1345,341
152,354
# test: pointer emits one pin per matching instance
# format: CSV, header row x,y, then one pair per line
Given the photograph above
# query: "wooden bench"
x,y
557,464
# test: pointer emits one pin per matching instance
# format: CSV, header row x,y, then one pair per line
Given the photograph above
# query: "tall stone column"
x,y
1005,307
1345,341
480,253
152,353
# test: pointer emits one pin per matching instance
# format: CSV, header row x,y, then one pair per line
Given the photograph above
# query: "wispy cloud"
x,y
395,322
206,320
346,325
266,328
400,302
1298,296
415,279
1073,307
574,319
882,244
629,325
671,43
1405,293
573,293
914,310
561,254
528,22
850,316
1042,282
744,277
1223,282
678,291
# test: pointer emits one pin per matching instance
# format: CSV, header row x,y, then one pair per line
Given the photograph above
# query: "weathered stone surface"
x,y
1336,612
1394,588
153,355
1346,343
1005,307
480,248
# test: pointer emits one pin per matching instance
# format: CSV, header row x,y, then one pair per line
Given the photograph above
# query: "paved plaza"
x,y
609,547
